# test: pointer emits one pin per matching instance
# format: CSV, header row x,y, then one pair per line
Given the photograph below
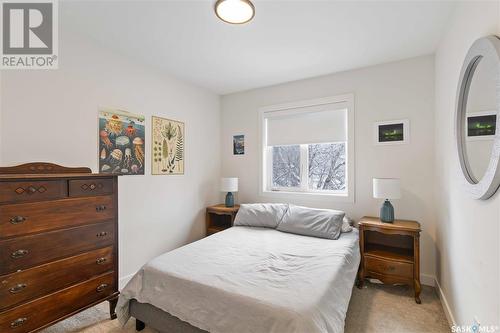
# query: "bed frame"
x,y
147,314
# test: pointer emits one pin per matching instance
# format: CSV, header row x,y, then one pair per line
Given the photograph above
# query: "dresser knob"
x,y
101,287
17,288
101,261
102,234
100,208
17,219
18,322
19,254
31,190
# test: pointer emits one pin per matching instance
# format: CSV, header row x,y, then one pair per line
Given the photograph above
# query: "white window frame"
x,y
265,166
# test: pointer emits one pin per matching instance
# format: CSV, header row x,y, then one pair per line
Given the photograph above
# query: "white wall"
x,y
401,90
467,230
52,116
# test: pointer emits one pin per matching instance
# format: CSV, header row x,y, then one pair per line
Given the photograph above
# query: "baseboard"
x,y
122,282
446,306
430,280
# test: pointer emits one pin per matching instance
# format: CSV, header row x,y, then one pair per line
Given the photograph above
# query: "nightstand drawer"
x,y
388,267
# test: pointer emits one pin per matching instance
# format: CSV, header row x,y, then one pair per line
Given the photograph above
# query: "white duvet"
x,y
249,279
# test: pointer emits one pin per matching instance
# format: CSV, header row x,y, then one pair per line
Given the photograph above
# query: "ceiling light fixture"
x,y
235,11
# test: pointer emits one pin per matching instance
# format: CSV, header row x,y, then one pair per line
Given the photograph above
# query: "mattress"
x,y
247,279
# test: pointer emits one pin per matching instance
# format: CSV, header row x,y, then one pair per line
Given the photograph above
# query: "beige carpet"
x,y
374,309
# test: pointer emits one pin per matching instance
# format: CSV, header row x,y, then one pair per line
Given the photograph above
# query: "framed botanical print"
x,y
391,132
167,145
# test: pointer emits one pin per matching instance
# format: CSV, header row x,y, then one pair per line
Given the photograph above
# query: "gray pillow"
x,y
260,215
322,223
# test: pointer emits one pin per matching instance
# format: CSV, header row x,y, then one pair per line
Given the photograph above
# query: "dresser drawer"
x,y
24,191
35,282
388,267
21,219
45,310
90,187
28,251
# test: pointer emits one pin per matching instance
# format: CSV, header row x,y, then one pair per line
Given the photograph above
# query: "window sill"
x,y
331,197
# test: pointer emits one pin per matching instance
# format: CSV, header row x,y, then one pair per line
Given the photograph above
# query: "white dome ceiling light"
x,y
235,11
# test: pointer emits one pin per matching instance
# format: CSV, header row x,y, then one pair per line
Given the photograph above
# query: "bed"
x,y
246,279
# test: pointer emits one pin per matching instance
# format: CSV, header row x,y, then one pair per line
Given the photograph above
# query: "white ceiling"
x,y
286,41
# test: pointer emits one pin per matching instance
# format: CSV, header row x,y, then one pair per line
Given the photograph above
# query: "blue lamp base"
x,y
387,212
229,199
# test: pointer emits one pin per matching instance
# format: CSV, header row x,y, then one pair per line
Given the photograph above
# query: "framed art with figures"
x,y
121,142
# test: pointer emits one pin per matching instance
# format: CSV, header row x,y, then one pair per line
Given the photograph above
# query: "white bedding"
x,y
248,279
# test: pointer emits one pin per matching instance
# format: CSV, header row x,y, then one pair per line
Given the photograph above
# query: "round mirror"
x,y
477,123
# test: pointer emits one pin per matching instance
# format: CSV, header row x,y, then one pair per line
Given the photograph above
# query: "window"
x,y
286,166
308,148
326,167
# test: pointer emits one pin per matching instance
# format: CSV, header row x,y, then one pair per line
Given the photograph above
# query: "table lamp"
x,y
229,185
386,188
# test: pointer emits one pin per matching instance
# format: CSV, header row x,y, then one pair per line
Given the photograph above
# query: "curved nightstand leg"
x,y
416,264
361,270
112,307
361,279
418,289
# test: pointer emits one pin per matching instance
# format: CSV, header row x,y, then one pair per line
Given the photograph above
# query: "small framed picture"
x,y
239,144
481,125
392,132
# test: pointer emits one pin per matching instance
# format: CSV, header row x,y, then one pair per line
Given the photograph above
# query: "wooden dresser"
x,y
58,244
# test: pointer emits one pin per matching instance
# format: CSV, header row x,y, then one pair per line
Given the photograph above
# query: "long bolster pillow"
x,y
322,223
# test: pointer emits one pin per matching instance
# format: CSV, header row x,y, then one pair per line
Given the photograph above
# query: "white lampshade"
x,y
386,188
229,184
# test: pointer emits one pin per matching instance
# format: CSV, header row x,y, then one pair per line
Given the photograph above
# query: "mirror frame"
x,y
484,188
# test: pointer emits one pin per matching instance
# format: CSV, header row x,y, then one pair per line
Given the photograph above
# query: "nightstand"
x,y
220,217
390,252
